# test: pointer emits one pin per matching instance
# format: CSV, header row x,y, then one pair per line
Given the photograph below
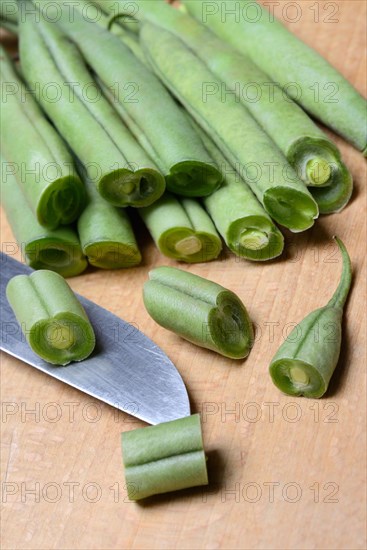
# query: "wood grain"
x,y
285,472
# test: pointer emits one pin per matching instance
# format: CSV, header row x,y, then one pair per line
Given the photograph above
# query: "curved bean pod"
x,y
305,362
99,11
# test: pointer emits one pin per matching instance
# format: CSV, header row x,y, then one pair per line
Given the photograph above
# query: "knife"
x,y
126,370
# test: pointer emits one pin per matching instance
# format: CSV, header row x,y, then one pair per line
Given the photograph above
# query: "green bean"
x,y
164,458
199,310
9,11
44,166
133,127
58,249
188,169
241,139
306,76
305,362
51,317
95,13
132,42
106,234
182,229
241,220
129,38
312,154
125,174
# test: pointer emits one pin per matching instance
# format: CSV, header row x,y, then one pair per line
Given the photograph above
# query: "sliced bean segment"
x,y
164,458
58,249
182,229
51,317
305,362
199,310
40,159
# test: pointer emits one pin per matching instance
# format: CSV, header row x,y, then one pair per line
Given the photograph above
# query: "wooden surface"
x,y
284,472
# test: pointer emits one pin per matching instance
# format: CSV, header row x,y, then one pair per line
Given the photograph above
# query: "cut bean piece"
x,y
164,458
199,310
182,229
51,317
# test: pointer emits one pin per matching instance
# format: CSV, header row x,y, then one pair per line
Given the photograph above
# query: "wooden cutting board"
x,y
284,472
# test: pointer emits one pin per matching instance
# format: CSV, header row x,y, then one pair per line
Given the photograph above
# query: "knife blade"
x,y
126,370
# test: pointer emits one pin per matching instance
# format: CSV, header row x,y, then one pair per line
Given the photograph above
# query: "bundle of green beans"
x,y
244,143
313,155
243,223
288,60
126,176
41,160
58,249
146,106
215,158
